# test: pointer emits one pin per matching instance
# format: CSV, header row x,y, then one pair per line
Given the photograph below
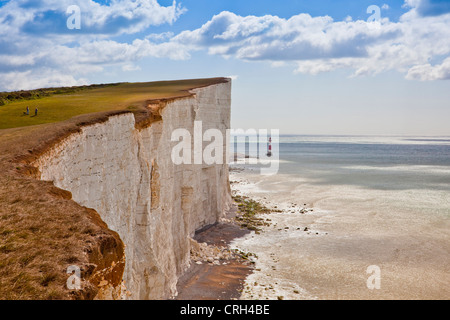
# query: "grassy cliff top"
x,y
59,104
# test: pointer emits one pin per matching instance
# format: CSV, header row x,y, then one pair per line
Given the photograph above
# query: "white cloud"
x,y
88,57
49,17
272,38
428,72
48,53
315,67
160,36
45,78
320,44
130,67
37,48
428,7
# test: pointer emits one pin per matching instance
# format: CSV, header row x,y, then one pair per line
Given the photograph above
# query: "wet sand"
x,y
212,282
223,280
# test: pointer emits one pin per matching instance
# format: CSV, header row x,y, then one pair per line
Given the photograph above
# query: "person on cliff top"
x,y
35,111
28,110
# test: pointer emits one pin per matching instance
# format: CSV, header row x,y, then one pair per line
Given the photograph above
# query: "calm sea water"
x,y
385,163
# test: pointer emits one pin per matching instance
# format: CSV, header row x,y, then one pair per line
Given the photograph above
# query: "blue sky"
x,y
306,67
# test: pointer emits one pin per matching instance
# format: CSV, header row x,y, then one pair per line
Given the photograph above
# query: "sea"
x,y
362,217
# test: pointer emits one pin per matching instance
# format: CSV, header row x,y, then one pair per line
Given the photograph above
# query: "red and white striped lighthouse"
x,y
269,147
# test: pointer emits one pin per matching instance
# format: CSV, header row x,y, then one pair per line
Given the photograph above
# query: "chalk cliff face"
x,y
127,175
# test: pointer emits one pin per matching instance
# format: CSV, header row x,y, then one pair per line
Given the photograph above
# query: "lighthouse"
x,y
269,147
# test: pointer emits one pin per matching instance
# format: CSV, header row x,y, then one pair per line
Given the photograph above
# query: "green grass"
x,y
8,97
60,107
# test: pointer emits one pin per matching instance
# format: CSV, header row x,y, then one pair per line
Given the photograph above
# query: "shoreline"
x,y
264,283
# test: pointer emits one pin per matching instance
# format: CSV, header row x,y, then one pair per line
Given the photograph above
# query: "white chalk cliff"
x,y
127,175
